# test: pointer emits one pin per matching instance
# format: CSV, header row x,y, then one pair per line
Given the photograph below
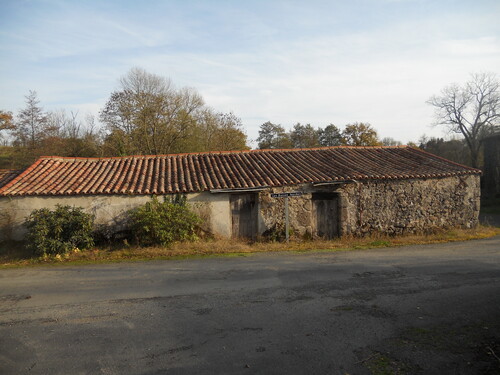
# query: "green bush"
x,y
161,223
59,231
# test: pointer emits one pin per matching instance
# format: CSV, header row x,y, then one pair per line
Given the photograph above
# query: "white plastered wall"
x,y
214,210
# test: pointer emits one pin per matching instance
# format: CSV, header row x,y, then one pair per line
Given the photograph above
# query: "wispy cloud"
x,y
283,61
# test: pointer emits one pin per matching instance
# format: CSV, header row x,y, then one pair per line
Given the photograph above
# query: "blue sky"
x,y
316,62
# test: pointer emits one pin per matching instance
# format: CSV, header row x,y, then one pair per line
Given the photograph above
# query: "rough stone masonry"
x,y
385,206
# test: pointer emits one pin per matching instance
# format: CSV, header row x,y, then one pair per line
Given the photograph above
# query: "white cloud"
x,y
382,73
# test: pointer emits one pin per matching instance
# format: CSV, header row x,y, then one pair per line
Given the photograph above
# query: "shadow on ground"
x,y
490,219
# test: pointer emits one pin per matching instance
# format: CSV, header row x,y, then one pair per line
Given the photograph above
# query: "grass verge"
x,y
13,255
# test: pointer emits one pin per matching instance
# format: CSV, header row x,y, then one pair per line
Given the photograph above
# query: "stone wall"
x,y
411,206
272,210
385,206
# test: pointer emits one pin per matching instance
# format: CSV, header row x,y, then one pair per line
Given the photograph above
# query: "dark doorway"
x,y
325,214
244,215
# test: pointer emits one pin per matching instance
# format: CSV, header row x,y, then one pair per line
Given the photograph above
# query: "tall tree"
x,y
273,136
329,136
304,136
228,134
6,124
148,115
216,131
6,121
471,109
360,134
31,123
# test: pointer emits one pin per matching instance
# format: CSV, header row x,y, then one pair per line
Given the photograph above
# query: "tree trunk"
x,y
474,156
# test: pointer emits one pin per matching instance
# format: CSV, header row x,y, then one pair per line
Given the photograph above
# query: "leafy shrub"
x,y
59,231
161,223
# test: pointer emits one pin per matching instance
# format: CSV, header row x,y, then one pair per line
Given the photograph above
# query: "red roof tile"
x,y
7,175
184,173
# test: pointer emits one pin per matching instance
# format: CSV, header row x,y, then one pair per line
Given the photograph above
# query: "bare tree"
x,y
31,123
67,135
472,110
389,141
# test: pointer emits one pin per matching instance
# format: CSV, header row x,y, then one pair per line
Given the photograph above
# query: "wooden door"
x,y
244,215
325,215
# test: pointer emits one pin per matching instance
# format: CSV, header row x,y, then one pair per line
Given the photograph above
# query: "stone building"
x,y
344,190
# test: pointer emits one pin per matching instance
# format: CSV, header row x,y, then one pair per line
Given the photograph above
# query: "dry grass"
x,y
16,258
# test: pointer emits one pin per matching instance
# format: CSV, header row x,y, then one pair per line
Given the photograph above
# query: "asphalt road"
x,y
412,310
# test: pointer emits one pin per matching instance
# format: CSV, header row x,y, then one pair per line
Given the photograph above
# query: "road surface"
x,y
432,309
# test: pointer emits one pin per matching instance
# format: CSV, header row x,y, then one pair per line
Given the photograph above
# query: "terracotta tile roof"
x,y
226,170
7,175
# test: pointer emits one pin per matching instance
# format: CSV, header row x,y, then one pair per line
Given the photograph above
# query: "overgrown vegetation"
x,y
162,223
13,256
66,229
59,231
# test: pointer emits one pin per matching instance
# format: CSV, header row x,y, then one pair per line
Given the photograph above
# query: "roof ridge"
x,y
52,157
